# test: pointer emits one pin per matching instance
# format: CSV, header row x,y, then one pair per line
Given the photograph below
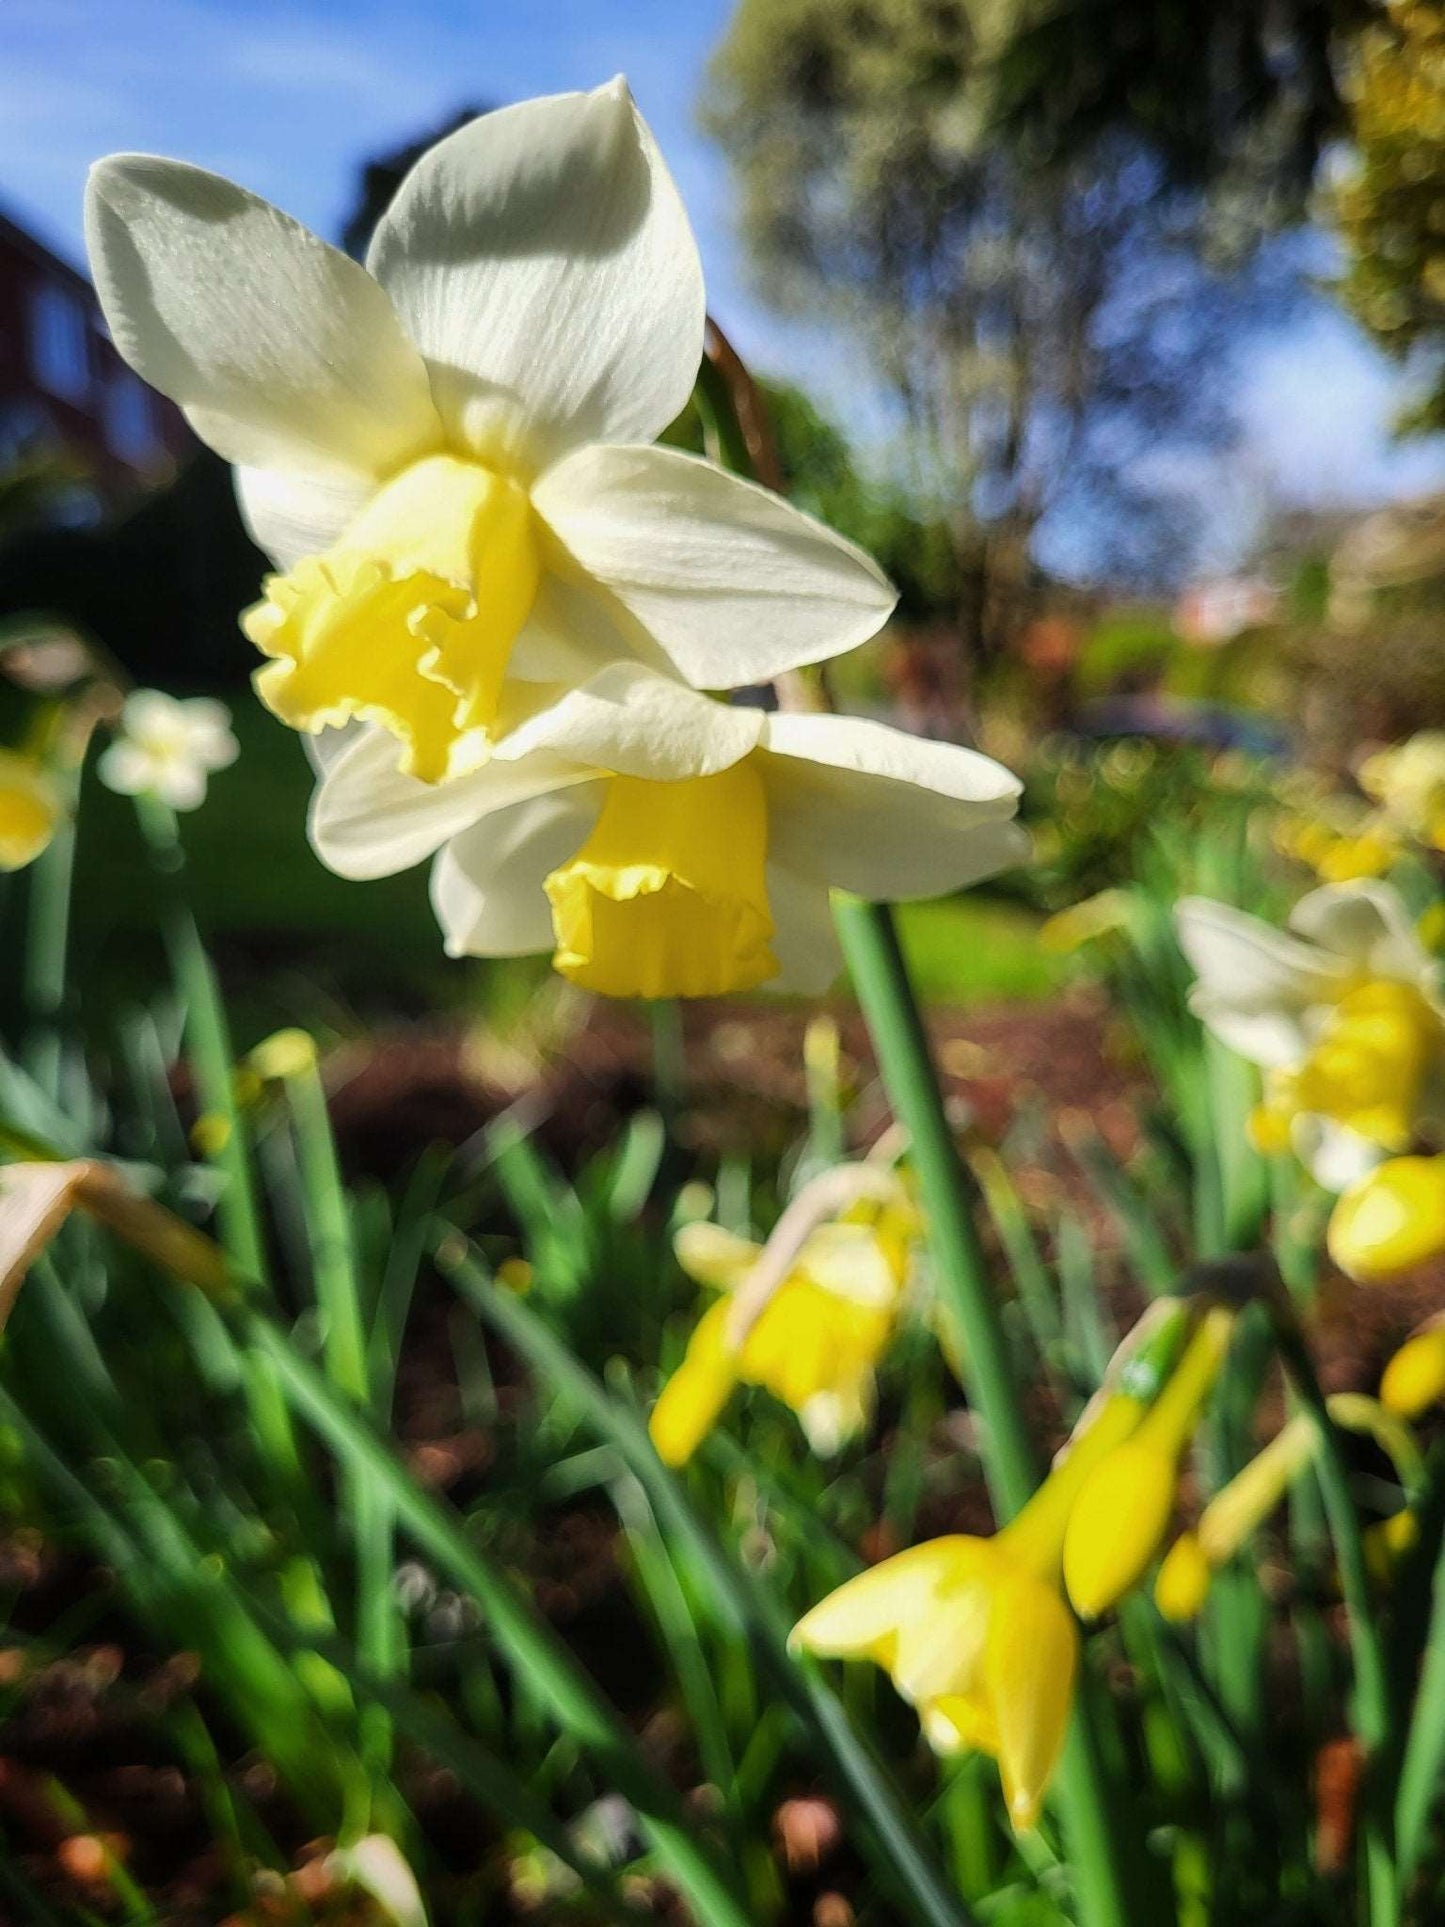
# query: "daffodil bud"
x,y
1117,1524
1183,1581
1414,1379
1391,1220
1121,1514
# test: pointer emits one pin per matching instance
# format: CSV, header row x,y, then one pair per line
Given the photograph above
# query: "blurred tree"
x,y
1237,97
1391,206
1045,331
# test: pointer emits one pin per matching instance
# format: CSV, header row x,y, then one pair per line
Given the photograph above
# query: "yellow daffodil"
x,y
817,1341
169,749
1341,848
661,843
1121,1514
30,809
1343,1014
975,1633
1409,780
1391,1219
448,451
1414,1379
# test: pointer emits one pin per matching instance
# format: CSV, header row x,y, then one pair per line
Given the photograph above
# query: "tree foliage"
x,y
1391,207
1043,330
1236,98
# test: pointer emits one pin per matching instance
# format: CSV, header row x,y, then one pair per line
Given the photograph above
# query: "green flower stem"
x,y
1367,1651
880,977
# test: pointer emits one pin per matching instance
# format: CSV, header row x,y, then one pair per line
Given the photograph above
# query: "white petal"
x,y
542,261
1335,1156
283,352
1367,925
369,820
126,768
804,940
635,723
886,815
486,886
182,785
733,584
1254,984
291,516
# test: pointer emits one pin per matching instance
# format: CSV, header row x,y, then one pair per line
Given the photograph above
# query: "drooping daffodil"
x,y
31,809
817,1341
976,1633
662,843
1342,1012
447,452
169,749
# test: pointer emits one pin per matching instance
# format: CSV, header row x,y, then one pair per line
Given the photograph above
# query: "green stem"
x,y
1367,1651
880,977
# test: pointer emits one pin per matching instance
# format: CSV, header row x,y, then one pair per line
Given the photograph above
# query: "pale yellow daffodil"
x,y
1409,780
816,1343
1343,1014
31,809
661,843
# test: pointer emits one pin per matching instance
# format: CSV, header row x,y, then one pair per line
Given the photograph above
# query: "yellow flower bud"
x,y
1121,1514
1116,1525
1391,1220
1386,1543
1414,1379
285,1053
1184,1580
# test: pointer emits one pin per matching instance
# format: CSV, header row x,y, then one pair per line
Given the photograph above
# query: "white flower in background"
x,y
169,749
665,844
1343,1014
446,452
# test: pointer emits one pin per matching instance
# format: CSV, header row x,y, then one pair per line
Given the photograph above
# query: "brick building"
x,y
64,388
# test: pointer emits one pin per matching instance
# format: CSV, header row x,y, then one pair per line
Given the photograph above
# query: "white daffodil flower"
x,y
169,749
446,451
661,843
1343,1014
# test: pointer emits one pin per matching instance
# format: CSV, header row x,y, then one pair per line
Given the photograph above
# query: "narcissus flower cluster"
x,y
499,609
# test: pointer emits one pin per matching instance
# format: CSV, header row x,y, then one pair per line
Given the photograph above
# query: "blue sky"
x,y
290,98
